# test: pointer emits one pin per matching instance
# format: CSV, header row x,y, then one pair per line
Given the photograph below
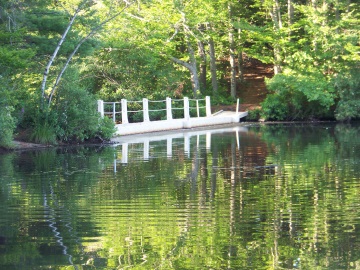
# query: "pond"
x,y
274,196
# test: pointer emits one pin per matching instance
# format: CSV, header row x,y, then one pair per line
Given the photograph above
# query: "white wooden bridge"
x,y
194,113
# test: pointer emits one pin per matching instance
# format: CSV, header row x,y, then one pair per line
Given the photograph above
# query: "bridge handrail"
x,y
145,108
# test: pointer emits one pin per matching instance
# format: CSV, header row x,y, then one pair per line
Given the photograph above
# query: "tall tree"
x,y
85,4
232,54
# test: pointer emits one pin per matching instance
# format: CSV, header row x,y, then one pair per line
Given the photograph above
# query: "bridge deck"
x,y
223,117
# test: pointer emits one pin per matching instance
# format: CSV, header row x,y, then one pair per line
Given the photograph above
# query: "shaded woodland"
x,y
58,57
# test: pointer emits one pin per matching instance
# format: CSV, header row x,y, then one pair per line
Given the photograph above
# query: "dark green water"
x,y
272,197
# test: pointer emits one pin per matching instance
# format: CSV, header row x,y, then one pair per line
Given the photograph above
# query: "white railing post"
x,y
208,106
114,112
197,108
124,115
100,104
146,110
186,108
168,109
237,106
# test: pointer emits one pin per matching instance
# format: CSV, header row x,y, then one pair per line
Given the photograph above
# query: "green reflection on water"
x,y
285,197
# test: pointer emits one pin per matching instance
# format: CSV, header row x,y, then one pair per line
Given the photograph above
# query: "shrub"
x,y
7,121
298,98
77,116
275,107
7,126
72,117
348,87
253,115
106,129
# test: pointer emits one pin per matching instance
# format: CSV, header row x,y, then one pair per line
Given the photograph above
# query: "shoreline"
x,y
19,145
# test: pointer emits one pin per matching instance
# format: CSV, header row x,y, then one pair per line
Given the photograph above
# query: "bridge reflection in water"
x,y
146,139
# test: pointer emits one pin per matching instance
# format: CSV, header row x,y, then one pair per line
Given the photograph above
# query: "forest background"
x,y
57,57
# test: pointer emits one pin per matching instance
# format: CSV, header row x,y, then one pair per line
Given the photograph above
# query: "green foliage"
x,y
14,58
348,87
73,117
7,120
7,125
253,115
77,116
222,98
275,107
133,71
316,51
43,131
296,97
106,128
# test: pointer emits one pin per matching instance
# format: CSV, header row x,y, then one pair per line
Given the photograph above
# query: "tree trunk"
x,y
193,73
214,81
232,66
277,60
240,59
348,2
276,18
290,12
232,58
52,58
202,66
92,32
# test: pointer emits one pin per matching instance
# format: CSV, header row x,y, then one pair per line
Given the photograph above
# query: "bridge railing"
x,y
164,109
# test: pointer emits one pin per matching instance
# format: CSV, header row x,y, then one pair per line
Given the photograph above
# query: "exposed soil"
x,y
252,90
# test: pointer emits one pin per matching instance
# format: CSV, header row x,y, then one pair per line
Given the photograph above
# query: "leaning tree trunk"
x,y
92,32
193,73
202,66
52,58
214,81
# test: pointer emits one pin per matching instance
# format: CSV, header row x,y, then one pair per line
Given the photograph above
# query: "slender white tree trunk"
x,y
52,58
240,62
232,57
92,32
232,65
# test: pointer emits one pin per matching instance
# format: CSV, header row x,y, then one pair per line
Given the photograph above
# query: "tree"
x,y
320,52
232,55
52,58
82,5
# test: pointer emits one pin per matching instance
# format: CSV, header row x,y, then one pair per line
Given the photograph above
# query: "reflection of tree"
x,y
214,209
54,194
54,218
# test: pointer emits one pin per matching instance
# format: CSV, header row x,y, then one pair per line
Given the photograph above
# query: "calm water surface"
x,y
255,197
